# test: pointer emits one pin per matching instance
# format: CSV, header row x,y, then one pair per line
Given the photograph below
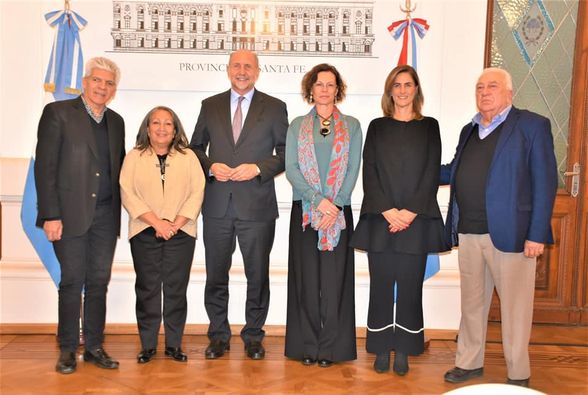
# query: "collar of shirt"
x,y
484,131
97,118
244,104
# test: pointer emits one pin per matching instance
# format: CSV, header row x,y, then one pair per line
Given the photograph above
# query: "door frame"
x,y
561,293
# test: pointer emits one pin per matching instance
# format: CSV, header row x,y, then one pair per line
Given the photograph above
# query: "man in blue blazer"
x,y
503,183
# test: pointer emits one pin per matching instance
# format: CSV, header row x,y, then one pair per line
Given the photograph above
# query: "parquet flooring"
x,y
27,367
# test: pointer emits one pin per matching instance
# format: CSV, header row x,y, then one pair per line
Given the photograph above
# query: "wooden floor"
x,y
559,359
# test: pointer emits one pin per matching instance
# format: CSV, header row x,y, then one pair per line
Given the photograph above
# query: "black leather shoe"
x,y
400,363
459,375
176,354
382,363
255,350
520,383
66,363
307,361
216,349
325,363
146,355
100,358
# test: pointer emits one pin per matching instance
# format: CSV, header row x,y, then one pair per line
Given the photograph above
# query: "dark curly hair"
x,y
310,78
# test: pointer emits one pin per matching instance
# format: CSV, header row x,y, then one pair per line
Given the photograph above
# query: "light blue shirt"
x,y
484,131
244,104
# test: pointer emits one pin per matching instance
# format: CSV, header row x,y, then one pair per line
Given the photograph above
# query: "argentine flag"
x,y
64,80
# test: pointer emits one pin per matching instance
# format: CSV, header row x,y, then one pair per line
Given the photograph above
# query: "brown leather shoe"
x,y
100,358
459,375
216,349
520,383
66,363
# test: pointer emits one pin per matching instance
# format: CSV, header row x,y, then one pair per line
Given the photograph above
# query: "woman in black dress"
x,y
400,221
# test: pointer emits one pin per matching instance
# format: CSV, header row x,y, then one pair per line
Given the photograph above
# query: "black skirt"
x,y
424,235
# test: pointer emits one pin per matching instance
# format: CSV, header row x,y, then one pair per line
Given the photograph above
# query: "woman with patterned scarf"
x,y
323,153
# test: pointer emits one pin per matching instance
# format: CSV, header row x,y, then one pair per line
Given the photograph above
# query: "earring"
x,y
310,98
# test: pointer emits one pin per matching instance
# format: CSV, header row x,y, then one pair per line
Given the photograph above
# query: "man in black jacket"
x,y
80,150
240,141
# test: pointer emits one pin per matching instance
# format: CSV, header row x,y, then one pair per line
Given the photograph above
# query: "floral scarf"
x,y
329,238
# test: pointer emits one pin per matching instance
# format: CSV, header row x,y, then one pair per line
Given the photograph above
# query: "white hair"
x,y
103,64
505,74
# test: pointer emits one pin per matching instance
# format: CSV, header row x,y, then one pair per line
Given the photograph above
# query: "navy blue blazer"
x,y
521,184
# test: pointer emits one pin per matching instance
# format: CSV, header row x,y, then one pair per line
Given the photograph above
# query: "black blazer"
x,y
262,141
66,165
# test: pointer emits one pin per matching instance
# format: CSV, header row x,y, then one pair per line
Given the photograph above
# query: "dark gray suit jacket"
x,y
262,141
66,165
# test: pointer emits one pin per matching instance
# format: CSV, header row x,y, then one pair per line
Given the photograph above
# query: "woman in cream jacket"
x,y
162,187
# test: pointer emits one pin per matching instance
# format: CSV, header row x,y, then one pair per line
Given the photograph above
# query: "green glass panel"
x,y
534,40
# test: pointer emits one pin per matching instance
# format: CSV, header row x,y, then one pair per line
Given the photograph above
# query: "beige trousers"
x,y
483,267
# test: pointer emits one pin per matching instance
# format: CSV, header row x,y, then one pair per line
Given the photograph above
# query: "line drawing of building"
x,y
283,28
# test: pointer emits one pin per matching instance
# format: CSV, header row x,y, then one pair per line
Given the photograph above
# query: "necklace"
x,y
325,122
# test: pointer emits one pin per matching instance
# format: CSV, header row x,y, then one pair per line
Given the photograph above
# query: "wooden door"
x,y
561,291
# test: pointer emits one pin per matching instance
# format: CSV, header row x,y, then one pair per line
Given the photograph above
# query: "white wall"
x,y
451,57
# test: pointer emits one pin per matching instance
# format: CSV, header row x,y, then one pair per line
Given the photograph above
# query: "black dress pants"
x,y
86,263
161,264
255,241
321,302
396,327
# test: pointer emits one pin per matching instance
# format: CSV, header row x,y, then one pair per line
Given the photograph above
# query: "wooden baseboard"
x,y
191,329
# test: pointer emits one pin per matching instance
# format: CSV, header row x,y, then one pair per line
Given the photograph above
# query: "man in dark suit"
x,y
80,150
240,140
503,184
